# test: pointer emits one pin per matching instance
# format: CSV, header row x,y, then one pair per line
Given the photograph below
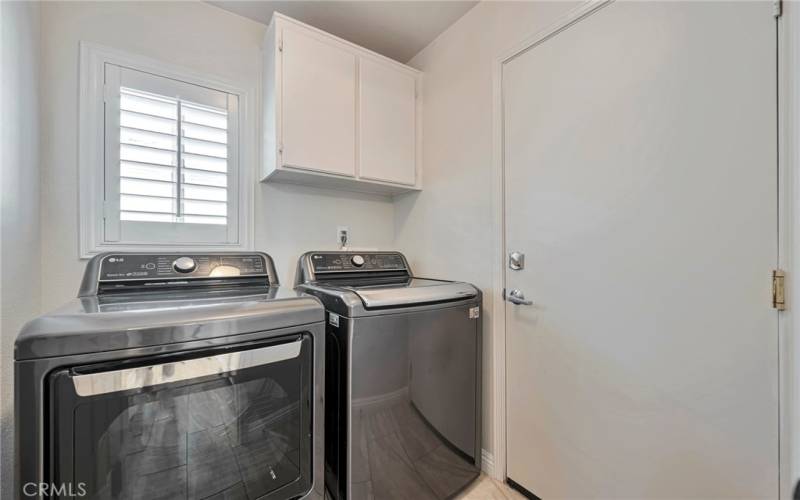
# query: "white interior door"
x,y
641,183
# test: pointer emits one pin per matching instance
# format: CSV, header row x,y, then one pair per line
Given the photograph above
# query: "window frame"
x,y
117,77
92,151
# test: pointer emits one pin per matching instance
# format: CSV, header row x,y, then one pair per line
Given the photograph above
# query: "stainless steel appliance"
x,y
173,376
403,363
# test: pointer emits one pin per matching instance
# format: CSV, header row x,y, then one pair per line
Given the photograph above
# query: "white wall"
x,y
19,202
288,219
446,230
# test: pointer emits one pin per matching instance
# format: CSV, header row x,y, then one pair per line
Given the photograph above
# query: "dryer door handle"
x,y
93,384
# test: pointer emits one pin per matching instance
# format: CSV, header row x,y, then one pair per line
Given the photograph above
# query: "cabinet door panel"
x,y
318,105
387,123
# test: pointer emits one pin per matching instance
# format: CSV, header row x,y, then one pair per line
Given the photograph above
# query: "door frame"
x,y
788,236
789,240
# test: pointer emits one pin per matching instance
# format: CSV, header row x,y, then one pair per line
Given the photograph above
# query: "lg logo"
x,y
48,490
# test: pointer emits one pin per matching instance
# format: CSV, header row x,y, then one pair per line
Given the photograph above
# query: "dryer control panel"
x,y
129,271
124,267
332,262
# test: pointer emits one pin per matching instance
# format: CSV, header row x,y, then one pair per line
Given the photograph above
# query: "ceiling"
x,y
396,29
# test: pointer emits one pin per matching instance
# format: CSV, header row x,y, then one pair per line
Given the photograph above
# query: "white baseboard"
x,y
487,463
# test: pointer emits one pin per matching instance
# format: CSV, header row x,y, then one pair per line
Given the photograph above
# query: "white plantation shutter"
x,y
148,168
171,172
204,173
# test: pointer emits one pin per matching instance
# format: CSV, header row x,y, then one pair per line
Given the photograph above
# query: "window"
x,y
173,159
169,160
166,150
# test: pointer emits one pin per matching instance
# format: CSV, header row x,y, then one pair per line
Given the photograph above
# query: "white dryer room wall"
x,y
288,219
20,243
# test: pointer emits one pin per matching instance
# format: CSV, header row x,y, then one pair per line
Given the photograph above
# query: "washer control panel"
x,y
129,267
331,262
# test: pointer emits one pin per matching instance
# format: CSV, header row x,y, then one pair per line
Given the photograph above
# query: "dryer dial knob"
x,y
184,265
357,260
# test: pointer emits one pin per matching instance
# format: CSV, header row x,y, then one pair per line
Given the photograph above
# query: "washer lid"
x,y
412,291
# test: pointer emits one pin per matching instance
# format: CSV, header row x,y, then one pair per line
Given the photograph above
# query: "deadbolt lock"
x,y
516,261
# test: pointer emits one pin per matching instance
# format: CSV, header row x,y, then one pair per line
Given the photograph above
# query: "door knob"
x,y
516,297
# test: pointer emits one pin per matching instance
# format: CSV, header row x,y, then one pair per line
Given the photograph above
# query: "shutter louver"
x,y
173,160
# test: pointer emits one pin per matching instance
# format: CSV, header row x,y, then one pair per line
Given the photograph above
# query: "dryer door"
x,y
233,421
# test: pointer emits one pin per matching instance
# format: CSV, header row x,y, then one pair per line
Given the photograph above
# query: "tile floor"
x,y
486,488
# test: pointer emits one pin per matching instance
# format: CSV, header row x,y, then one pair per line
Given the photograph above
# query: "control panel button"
x,y
184,265
357,260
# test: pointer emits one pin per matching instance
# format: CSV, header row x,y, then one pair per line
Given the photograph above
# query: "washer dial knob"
x,y
357,260
184,265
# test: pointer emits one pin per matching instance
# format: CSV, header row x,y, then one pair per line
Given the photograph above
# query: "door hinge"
x,y
777,8
280,44
778,289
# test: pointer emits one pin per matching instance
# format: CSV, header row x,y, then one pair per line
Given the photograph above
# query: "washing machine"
x,y
173,376
403,377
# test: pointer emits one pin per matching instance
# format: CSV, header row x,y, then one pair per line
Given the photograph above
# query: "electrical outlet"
x,y
343,236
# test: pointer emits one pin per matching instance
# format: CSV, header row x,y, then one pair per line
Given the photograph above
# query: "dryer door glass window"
x,y
166,428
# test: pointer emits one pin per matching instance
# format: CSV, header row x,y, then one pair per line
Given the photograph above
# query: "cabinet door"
x,y
318,107
387,122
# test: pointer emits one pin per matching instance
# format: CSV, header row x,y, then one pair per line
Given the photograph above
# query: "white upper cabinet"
x,y
387,119
318,103
337,115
